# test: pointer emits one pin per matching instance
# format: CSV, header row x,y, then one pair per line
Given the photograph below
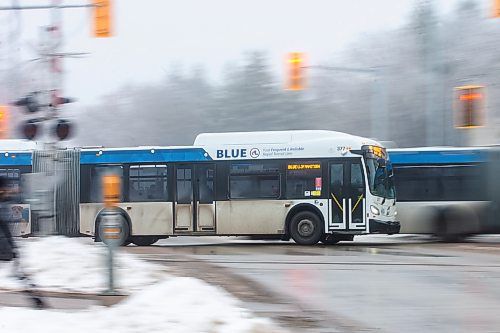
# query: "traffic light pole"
x,y
379,115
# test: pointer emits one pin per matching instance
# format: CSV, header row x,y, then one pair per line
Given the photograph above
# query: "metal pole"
x,y
111,282
378,114
379,120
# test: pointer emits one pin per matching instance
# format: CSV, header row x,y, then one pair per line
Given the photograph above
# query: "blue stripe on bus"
x,y
437,157
15,159
143,156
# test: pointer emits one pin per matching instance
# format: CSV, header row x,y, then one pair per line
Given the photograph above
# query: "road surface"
x,y
377,283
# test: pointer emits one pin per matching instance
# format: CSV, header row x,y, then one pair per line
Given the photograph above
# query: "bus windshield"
x,y
380,178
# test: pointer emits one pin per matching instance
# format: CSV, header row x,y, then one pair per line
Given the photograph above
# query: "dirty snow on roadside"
x,y
158,302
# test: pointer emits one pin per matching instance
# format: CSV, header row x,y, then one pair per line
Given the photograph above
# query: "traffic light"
x,y
469,107
295,71
4,122
102,18
496,8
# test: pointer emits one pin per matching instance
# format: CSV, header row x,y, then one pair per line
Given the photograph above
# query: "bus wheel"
x,y
329,239
144,240
305,228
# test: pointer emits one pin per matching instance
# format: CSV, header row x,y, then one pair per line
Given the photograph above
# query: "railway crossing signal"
x,y
32,104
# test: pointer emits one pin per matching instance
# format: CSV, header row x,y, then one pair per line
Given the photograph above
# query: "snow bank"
x,y
177,305
158,303
69,264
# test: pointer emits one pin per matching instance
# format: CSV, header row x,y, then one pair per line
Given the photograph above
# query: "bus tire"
x,y
305,228
124,241
144,240
446,229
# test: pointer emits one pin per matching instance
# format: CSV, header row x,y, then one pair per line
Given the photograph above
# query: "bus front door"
x,y
347,195
194,199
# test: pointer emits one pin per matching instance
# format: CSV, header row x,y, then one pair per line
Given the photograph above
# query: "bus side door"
x,y
347,195
195,198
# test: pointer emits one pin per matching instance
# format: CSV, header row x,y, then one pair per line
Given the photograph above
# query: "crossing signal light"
x,y
295,71
4,122
102,18
63,129
469,107
30,129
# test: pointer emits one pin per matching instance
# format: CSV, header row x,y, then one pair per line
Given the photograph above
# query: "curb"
x,y
101,299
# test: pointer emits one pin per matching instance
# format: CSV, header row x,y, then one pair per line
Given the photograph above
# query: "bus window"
x,y
14,179
337,179
96,174
254,186
357,182
254,180
184,186
439,183
303,180
206,184
148,183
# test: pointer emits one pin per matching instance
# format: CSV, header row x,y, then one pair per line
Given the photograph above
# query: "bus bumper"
x,y
384,227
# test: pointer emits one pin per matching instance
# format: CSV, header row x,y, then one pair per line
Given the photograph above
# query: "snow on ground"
x,y
70,264
158,302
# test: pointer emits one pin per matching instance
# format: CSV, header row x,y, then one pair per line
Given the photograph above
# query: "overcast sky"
x,y
151,36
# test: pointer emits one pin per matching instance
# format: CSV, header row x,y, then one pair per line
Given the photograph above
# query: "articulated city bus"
x,y
306,185
449,192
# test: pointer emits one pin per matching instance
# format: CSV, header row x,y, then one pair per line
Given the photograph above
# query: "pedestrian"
x,y
8,250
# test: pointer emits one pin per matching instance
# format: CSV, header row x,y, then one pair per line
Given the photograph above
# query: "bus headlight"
x,y
374,210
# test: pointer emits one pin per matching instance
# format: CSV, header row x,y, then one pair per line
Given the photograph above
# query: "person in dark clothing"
x,y
8,248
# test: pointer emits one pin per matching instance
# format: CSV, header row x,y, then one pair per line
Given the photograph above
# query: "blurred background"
x,y
171,70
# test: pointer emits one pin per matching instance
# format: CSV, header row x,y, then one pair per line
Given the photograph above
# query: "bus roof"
x,y
437,155
268,137
15,145
280,144
143,155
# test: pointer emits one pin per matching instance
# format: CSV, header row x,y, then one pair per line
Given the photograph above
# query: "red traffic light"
x,y
30,129
63,129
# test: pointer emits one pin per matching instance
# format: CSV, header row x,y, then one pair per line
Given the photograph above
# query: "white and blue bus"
x,y
306,185
448,192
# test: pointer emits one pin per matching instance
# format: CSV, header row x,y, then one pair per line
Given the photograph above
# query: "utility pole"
x,y
379,121
431,63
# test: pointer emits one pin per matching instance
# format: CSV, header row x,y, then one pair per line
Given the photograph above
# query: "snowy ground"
x,y
158,301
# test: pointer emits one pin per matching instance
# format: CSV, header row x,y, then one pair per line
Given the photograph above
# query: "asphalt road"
x,y
376,283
